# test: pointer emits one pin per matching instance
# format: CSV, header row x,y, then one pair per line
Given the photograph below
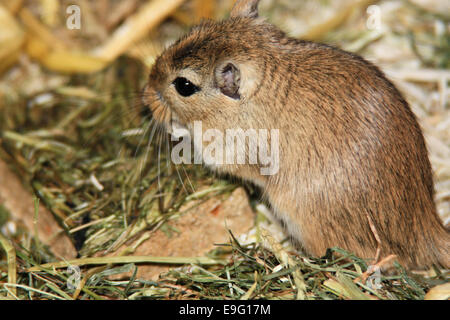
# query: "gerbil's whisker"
x,y
147,128
143,161
112,115
187,177
168,151
160,133
159,159
181,180
178,171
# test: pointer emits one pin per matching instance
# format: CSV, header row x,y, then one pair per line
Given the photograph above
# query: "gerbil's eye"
x,y
185,87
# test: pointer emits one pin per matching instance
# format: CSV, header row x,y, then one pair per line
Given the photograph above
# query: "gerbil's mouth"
x,y
163,114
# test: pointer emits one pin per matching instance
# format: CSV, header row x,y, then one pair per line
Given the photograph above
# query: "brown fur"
x,y
350,145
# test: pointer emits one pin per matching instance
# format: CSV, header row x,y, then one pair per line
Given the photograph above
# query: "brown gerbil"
x,y
352,155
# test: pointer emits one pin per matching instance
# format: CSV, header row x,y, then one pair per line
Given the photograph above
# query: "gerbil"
x,y
352,154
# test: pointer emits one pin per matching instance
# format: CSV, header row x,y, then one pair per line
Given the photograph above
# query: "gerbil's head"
x,y
212,72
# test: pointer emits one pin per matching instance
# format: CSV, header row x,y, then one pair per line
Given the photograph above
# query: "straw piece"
x,y
122,10
249,293
364,40
62,60
343,286
14,6
36,28
318,31
287,261
440,292
78,92
374,268
11,256
419,75
128,259
377,237
72,62
50,12
204,9
12,38
182,17
146,51
136,27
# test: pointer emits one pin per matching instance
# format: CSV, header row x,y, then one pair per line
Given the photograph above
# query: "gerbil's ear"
x,y
228,80
245,9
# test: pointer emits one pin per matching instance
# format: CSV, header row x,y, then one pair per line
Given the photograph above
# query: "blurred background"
x,y
75,143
